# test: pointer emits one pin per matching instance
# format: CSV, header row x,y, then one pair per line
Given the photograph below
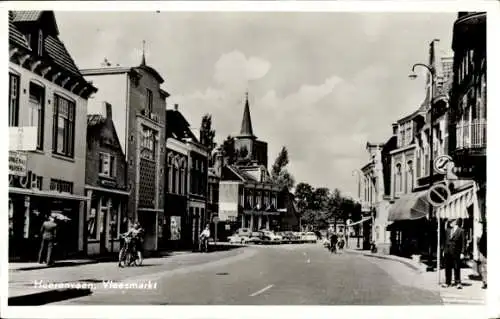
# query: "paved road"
x,y
281,275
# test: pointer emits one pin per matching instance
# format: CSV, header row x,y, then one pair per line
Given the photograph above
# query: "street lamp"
x,y
358,173
413,75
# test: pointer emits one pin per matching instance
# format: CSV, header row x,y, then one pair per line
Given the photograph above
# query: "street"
x,y
273,275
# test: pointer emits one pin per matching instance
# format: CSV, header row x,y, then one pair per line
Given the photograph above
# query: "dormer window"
x,y
40,43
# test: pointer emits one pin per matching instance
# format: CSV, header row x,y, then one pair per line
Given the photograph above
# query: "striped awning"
x,y
457,205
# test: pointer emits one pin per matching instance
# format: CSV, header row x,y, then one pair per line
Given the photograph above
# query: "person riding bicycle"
x,y
136,233
204,236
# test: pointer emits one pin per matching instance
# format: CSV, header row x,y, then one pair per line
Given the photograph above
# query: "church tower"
x,y
249,150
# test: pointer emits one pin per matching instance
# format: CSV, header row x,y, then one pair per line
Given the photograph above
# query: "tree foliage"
x,y
207,134
279,173
228,150
320,207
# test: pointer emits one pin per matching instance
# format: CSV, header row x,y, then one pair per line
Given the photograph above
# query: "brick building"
x,y
106,185
139,105
47,93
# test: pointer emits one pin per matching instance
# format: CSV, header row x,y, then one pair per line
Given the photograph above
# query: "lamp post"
x,y
413,75
358,172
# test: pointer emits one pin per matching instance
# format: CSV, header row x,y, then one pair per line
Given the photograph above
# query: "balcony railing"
x,y
471,134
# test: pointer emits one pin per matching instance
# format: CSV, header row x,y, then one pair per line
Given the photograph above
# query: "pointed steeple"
x,y
246,123
143,62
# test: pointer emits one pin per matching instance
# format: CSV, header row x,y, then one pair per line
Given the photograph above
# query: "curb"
x,y
47,296
419,267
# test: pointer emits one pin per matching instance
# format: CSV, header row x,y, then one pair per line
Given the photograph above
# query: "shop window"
x,y
64,126
92,221
13,100
36,111
107,165
40,43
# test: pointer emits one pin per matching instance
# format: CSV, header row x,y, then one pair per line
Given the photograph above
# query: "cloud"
x,y
234,68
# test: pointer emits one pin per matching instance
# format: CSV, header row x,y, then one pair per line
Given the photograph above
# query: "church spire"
x,y
246,123
143,62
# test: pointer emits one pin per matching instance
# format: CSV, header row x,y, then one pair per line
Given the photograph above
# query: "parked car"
x,y
309,237
241,236
269,235
290,237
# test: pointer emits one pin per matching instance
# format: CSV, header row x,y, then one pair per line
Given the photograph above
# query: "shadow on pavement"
x,y
46,297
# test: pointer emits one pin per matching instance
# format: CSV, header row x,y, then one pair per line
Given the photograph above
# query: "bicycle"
x,y
128,253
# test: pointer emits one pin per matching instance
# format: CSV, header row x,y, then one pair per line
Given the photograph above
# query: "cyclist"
x,y
136,233
204,236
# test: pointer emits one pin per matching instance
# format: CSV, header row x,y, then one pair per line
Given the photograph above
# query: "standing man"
x,y
482,259
48,232
454,246
204,236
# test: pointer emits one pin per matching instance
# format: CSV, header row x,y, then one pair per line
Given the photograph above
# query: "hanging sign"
x,y
441,163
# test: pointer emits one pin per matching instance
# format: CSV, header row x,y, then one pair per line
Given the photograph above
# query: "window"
x,y
148,143
40,43
259,199
398,180
13,100
64,126
149,97
182,177
170,174
174,177
36,112
409,177
92,221
107,165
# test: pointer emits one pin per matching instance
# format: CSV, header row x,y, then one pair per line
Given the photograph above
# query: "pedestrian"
x,y
454,252
333,242
204,236
483,268
341,242
48,232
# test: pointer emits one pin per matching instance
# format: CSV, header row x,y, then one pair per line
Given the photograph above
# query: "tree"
x,y
228,150
207,134
279,173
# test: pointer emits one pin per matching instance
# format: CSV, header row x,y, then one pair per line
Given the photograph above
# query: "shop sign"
x,y
23,138
17,163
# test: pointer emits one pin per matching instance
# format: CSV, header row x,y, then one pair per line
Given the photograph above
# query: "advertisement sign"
x,y
228,201
175,227
23,138
17,163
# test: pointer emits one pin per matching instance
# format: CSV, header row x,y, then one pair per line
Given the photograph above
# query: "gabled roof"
x,y
27,16
95,119
178,126
58,53
15,35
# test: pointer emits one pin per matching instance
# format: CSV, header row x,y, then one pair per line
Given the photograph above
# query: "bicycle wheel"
x,y
138,260
128,259
121,256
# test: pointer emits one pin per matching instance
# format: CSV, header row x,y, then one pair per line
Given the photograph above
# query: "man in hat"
x,y
454,246
48,231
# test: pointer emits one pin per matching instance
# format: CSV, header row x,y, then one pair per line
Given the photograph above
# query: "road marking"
x,y
261,291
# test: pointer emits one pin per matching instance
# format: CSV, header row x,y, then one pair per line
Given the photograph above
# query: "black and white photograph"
x,y
168,156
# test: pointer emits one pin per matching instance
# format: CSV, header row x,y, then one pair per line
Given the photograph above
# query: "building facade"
x,y
47,95
186,184
468,114
248,198
106,186
139,105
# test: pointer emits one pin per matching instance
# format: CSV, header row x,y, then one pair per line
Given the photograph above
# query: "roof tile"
x,y
95,119
23,16
58,53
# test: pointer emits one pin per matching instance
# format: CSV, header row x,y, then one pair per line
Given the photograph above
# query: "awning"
x,y
33,192
359,221
410,207
457,205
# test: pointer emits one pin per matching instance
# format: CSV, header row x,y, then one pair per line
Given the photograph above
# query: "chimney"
x,y
176,107
109,113
394,128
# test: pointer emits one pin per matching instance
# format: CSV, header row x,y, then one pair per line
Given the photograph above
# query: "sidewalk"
x,y
41,285
471,294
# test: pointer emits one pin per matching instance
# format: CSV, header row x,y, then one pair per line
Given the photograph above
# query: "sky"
x,y
321,84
